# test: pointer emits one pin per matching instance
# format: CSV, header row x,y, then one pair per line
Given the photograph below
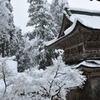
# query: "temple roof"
x,y
89,63
89,17
84,4
89,21
86,11
83,12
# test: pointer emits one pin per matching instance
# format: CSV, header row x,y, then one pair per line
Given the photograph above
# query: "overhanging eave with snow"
x,y
79,37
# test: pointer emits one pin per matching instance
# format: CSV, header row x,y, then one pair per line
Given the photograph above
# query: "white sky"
x,y
21,8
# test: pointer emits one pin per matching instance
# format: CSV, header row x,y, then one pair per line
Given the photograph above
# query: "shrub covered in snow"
x,y
34,84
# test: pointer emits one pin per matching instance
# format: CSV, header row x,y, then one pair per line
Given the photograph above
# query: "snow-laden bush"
x,y
47,84
55,80
8,68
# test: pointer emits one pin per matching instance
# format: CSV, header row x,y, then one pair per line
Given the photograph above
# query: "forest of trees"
x,y
39,73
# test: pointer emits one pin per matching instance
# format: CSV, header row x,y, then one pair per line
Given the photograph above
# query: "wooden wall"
x,y
91,89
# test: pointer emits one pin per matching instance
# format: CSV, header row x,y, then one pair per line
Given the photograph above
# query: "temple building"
x,y
79,37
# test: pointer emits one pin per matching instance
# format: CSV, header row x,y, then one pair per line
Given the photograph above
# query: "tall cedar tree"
x,y
6,26
41,19
57,12
43,22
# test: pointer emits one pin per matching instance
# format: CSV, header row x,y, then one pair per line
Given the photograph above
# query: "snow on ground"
x,y
9,66
27,79
33,79
9,63
12,65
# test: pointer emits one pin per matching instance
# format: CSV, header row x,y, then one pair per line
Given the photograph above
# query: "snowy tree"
x,y
41,19
6,26
4,73
16,42
43,24
50,84
29,55
35,54
17,46
57,12
8,68
28,52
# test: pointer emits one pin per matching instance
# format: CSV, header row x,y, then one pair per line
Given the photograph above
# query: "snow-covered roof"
x,y
87,6
67,31
89,21
50,42
89,64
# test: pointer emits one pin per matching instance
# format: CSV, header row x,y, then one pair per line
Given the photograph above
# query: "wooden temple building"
x,y
79,37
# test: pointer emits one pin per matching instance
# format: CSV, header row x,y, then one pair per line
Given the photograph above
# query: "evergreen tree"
x,y
18,48
6,26
11,40
41,19
16,42
57,12
28,54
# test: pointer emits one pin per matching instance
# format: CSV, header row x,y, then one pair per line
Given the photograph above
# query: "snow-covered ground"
x,y
8,66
